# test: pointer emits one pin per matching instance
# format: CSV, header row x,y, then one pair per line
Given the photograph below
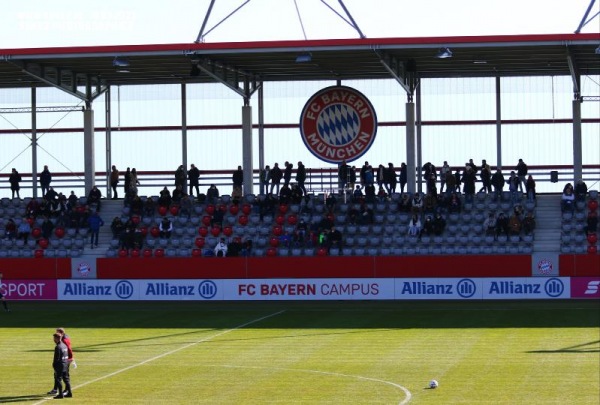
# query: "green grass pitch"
x,y
498,352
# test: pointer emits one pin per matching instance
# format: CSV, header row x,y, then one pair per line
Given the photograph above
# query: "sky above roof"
x,y
42,23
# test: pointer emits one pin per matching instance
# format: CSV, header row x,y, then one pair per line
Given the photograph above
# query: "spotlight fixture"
x,y
598,50
444,53
304,57
120,62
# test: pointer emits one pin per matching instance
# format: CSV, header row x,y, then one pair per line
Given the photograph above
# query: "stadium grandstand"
x,y
462,100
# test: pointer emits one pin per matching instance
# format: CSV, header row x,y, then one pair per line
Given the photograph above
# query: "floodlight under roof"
x,y
444,53
304,57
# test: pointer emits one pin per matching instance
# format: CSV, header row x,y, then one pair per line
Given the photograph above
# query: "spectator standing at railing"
x,y
127,181
15,179
380,176
457,181
363,171
403,177
193,176
45,179
514,183
265,178
180,176
287,173
134,182
301,177
530,188
468,180
486,177
390,179
238,180
444,176
522,173
498,183
343,179
276,174
114,181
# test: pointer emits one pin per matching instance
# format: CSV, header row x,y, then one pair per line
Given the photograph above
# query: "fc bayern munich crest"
x,y
545,266
338,123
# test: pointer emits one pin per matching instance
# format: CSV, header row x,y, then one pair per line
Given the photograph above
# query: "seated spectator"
x,y
417,204
72,200
212,194
357,194
23,230
353,215
234,247
32,209
489,225
63,220
405,203
247,248
528,224
164,199
285,194
430,203
177,194
300,232
366,215
266,205
217,218
454,205
285,239
47,228
439,224
62,203
567,203
414,226
330,202
221,248
501,225
519,211
128,235
323,237
45,209
297,194
186,206
335,238
514,225
149,207
94,197
137,205
381,194
580,190
10,229
428,226
591,225
117,227
165,227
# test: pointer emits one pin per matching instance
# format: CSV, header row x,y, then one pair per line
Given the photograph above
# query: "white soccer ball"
x,y
433,384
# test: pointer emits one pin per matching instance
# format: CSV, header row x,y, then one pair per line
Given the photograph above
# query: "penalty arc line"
x,y
160,356
407,393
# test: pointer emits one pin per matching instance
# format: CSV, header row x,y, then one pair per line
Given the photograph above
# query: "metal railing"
x,y
319,180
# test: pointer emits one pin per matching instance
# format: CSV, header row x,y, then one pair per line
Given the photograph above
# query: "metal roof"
x,y
335,59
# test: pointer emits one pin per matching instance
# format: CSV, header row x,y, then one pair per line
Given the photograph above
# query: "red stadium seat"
x,y
243,220
135,253
271,252
174,210
196,252
43,243
159,253
154,231
162,211
210,209
592,249
123,253
215,231
147,252
593,205
283,208
38,253
59,232
203,231
36,232
200,242
227,231
234,209
592,238
246,209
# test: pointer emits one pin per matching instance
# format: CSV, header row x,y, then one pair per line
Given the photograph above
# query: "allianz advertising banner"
x,y
317,289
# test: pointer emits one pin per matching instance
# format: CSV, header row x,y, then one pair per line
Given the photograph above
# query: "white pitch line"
x,y
407,393
160,356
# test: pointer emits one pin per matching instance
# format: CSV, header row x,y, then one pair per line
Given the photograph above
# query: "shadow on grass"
x,y
590,347
21,398
305,314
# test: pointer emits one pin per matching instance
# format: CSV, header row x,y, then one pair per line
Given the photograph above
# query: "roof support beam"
x,y
575,77
405,74
230,77
65,80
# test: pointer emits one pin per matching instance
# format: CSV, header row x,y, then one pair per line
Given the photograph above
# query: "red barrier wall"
x,y
316,267
579,265
39,268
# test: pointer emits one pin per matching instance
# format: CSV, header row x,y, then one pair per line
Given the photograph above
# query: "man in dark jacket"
x,y
498,183
45,179
193,176
301,177
276,175
238,180
60,364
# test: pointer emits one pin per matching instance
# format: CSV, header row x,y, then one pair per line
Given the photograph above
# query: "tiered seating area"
x,y
575,237
63,242
273,235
